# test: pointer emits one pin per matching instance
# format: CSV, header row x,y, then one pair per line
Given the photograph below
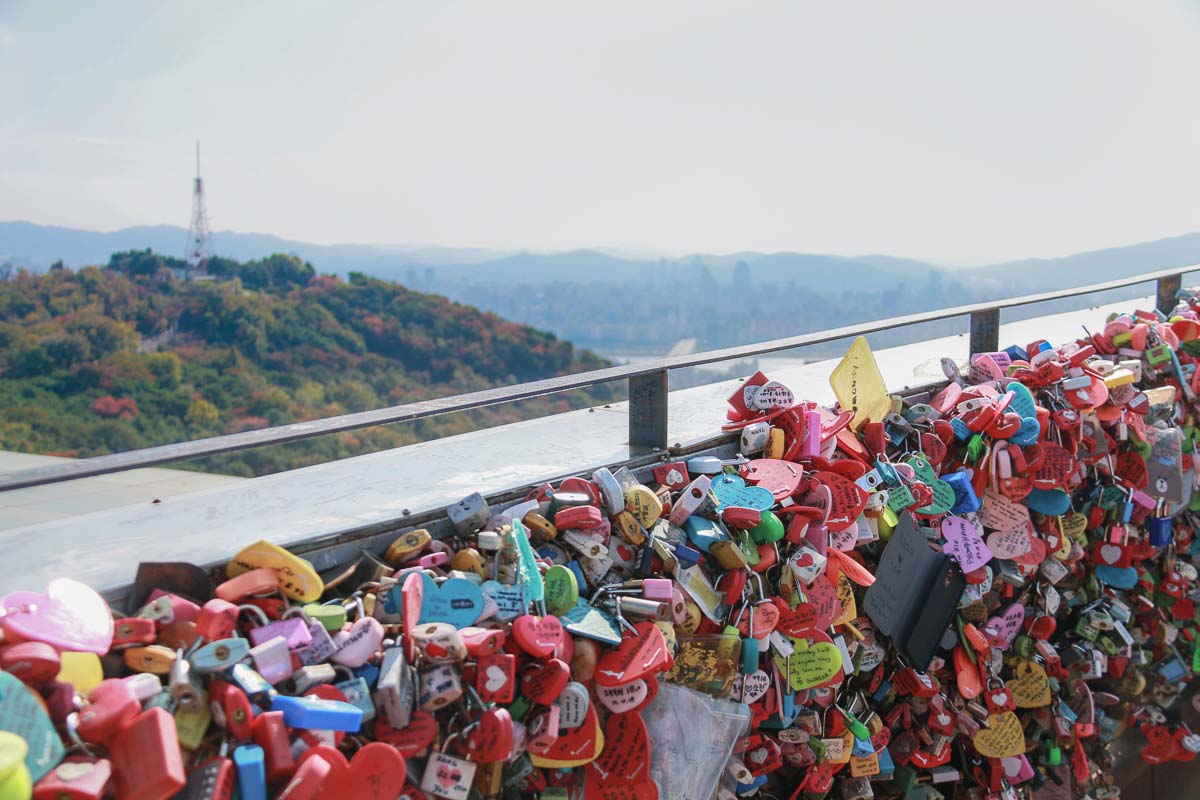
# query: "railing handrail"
x,y
647,381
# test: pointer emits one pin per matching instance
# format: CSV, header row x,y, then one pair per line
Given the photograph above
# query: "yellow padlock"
x,y
469,560
644,505
539,527
728,554
629,529
775,444
407,546
297,578
153,658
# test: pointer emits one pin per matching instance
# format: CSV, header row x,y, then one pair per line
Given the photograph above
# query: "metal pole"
x,y
985,331
648,410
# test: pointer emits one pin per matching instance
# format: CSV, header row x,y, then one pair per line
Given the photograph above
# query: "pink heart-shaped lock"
x,y
69,616
357,643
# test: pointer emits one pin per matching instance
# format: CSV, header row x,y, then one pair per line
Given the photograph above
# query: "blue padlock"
x,y
688,556
254,685
1161,530
358,693
703,532
252,771
312,713
965,499
219,655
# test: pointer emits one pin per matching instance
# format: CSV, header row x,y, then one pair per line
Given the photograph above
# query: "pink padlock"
x,y
272,659
182,609
217,620
581,517
293,629
144,685
542,731
658,589
357,643
433,561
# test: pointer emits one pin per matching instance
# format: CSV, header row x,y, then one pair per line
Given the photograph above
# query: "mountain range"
x,y
26,244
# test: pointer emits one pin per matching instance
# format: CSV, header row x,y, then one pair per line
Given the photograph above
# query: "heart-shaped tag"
x,y
778,477
1003,738
1000,631
510,600
1030,686
636,657
538,636
69,616
846,499
964,543
491,739
751,688
358,643
375,773
585,620
1009,544
573,705
1001,514
543,683
762,617
626,754
626,697
811,664
731,490
23,713
411,740
457,601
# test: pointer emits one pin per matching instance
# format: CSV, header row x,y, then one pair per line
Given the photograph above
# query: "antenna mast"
x,y
199,244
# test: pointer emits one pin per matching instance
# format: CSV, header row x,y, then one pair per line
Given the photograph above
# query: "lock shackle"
x,y
255,612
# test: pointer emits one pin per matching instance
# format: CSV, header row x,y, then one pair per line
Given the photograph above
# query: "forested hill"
x,y
129,355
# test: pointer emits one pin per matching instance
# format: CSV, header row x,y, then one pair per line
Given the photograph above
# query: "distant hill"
x,y
110,359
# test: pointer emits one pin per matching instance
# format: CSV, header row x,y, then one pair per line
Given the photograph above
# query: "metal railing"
x,y
647,387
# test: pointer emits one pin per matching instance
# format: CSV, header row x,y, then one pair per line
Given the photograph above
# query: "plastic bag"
x,y
693,736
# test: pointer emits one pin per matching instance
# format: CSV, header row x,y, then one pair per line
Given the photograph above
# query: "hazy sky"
x,y
948,129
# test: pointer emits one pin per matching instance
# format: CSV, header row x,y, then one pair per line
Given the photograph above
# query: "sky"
x,y
962,132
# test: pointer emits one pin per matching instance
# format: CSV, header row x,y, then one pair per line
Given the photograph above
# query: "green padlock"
x,y
332,616
769,529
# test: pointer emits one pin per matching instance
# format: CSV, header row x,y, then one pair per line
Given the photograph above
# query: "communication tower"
x,y
199,241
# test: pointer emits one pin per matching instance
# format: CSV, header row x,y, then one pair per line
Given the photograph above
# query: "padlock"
x,y
133,632
272,659
217,620
250,764
145,757
270,732
183,683
312,713
231,710
438,685
448,777
34,663
214,779
219,655
76,778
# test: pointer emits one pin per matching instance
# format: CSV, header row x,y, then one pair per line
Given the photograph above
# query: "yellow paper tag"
x,y
858,385
845,596
297,578
1030,687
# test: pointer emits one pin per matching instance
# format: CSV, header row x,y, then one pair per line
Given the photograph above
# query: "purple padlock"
x,y
294,630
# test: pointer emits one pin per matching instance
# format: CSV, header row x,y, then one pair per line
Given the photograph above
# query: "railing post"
x,y
648,410
1167,287
985,331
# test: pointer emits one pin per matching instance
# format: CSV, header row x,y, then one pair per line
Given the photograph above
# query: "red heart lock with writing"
x,y
377,772
544,682
626,754
538,636
413,738
491,738
636,657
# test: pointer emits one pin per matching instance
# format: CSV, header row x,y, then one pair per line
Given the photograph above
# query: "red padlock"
x,y
35,663
111,705
76,778
133,632
146,757
231,709
306,783
271,734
